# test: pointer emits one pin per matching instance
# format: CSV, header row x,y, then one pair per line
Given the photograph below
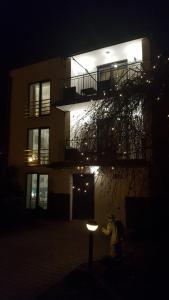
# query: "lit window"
x,y
39,99
37,191
38,146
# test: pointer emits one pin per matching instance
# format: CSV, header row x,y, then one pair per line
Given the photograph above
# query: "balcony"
x,y
97,85
91,153
36,157
37,108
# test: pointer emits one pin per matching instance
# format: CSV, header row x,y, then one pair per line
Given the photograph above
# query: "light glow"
x,y
94,170
92,227
130,51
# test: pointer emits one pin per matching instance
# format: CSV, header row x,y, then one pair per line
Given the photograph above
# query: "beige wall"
x,y
111,190
53,70
146,53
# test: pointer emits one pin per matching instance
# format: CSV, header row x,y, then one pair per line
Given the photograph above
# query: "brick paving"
x,y
34,258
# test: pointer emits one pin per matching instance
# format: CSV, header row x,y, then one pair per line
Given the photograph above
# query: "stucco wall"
x,y
111,190
53,70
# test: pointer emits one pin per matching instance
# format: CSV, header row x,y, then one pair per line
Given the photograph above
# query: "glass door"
x,y
31,194
37,191
43,191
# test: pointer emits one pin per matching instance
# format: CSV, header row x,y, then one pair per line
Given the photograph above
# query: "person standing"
x,y
111,230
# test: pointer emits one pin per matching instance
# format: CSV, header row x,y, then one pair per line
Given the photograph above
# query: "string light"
x,y
114,114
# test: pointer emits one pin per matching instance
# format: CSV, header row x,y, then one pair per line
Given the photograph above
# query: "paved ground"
x,y
35,257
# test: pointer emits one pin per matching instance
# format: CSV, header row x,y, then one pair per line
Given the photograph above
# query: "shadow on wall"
x,y
147,215
59,206
11,196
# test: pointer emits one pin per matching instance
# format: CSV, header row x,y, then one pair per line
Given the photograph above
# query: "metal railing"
x,y
93,83
37,108
36,157
131,149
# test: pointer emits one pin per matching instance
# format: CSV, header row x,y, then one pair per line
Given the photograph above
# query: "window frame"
x,y
37,194
39,141
109,66
40,98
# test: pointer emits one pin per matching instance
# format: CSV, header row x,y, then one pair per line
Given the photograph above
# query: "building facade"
x,y
71,163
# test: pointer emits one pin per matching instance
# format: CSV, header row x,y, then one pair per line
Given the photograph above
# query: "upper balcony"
x,y
96,85
98,73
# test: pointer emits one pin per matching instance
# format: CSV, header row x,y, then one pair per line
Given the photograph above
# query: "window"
x,y
37,191
111,74
38,146
39,99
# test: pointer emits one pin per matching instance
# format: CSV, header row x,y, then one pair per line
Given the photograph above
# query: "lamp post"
x,y
92,226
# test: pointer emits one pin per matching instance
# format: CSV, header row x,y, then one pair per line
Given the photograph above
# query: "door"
x,y
83,196
111,74
37,191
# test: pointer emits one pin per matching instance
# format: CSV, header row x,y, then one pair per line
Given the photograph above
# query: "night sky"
x,y
35,30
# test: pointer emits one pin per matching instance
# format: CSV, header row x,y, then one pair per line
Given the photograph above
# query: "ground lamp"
x,y
92,227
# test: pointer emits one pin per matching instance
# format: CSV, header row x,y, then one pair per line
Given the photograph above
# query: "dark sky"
x,y
32,30
36,30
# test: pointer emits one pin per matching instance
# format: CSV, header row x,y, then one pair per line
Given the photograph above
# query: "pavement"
x,y
113,279
47,260
37,256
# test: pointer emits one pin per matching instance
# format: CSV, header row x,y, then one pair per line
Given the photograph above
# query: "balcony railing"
x,y
36,157
96,84
37,108
91,151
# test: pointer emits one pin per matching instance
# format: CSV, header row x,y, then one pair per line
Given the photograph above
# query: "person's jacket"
x,y
111,229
